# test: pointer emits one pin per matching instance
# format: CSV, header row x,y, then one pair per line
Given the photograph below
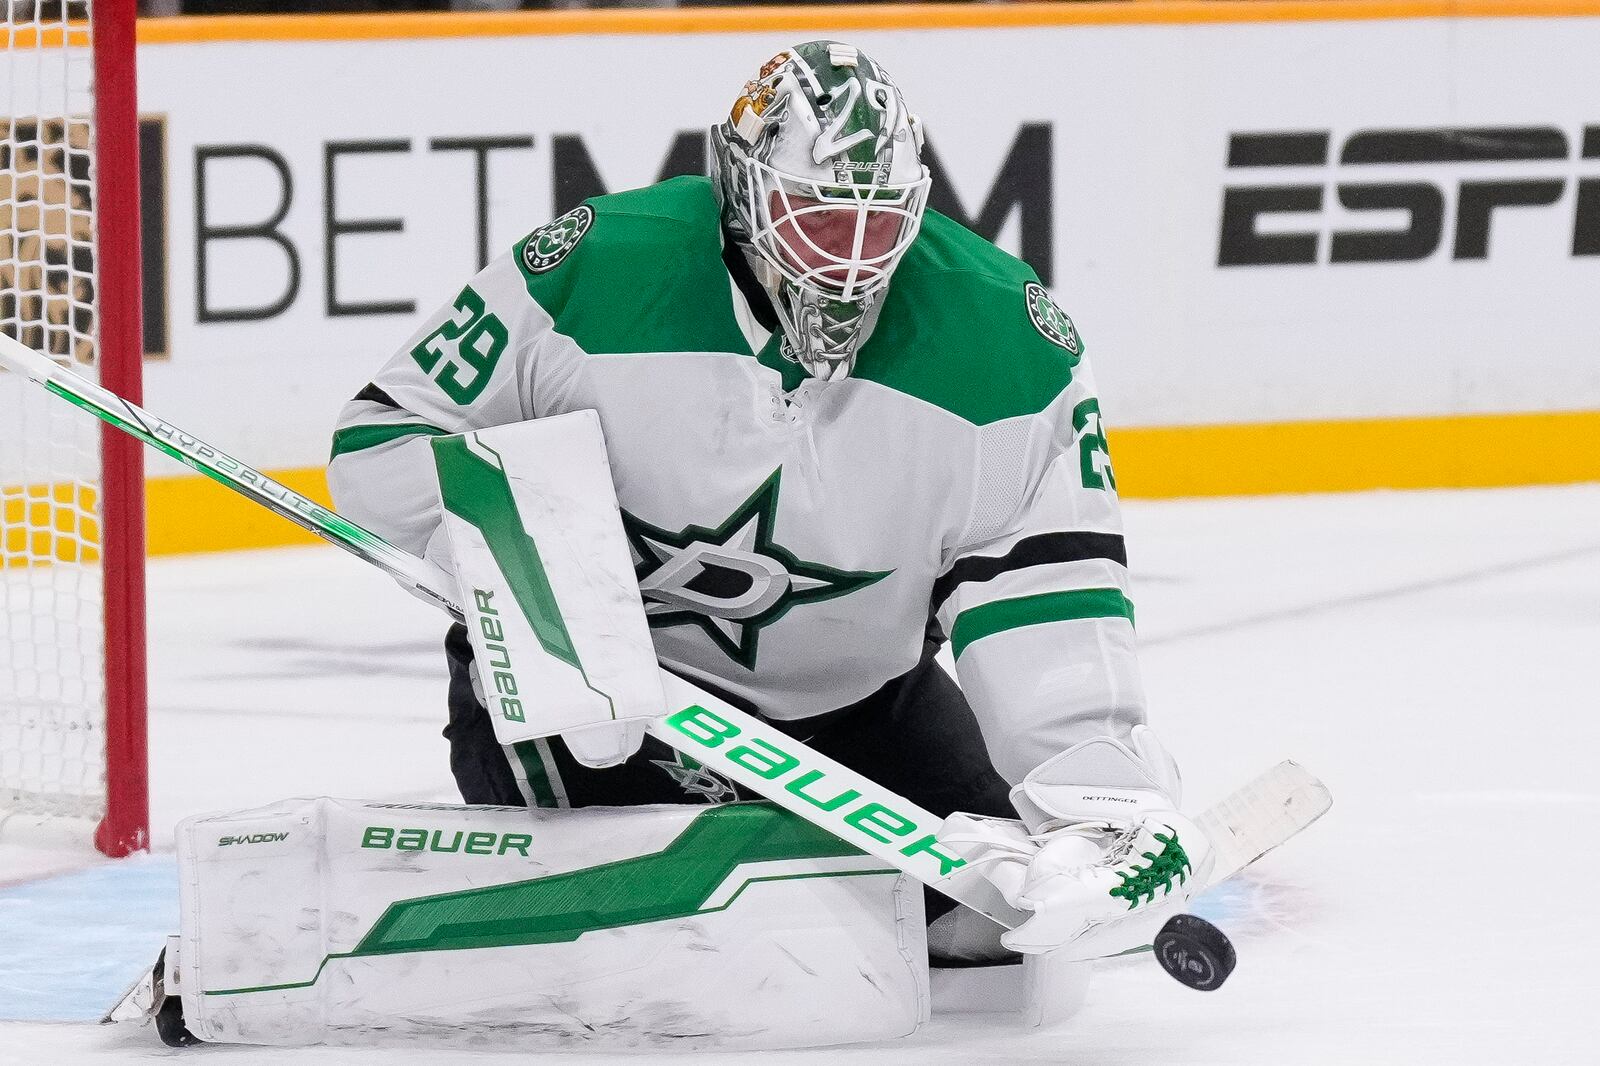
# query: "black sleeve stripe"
x,y
376,395
1031,551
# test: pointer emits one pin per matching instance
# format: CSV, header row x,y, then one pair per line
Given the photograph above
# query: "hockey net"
x,y
71,545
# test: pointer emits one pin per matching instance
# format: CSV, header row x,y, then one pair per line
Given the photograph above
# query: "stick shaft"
x,y
425,579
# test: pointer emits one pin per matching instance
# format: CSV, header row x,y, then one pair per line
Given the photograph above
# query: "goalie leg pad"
x,y
736,926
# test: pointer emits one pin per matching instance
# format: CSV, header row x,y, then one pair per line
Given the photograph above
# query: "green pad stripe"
x,y
990,618
476,491
672,883
532,760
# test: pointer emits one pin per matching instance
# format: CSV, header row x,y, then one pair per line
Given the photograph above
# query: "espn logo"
x,y
1364,182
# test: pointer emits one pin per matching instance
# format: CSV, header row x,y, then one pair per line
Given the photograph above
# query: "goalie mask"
x,y
819,174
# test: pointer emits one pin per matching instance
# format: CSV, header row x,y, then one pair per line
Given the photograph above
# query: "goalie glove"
x,y
1105,857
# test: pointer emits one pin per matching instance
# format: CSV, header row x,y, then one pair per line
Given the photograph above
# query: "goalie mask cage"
x,y
72,661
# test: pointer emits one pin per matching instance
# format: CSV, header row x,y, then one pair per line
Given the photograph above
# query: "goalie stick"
x,y
1246,825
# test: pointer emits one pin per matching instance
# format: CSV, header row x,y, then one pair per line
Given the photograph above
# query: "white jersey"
x,y
795,539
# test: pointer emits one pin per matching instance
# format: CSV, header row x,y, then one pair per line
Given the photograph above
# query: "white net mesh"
x,y
52,716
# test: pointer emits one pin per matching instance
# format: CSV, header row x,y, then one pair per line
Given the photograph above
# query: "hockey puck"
x,y
1195,952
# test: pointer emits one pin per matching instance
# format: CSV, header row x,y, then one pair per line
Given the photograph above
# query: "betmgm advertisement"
x,y
1289,276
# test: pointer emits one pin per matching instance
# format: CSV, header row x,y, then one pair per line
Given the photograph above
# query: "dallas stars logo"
x,y
1051,322
696,779
734,580
550,243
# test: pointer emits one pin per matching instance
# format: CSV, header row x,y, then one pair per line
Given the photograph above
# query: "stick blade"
x,y
1266,812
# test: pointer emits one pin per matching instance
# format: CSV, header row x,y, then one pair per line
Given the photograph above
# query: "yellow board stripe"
x,y
40,523
190,514
193,514
73,35
411,25
1456,451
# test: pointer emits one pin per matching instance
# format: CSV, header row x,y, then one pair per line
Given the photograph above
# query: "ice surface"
x,y
1433,656
72,939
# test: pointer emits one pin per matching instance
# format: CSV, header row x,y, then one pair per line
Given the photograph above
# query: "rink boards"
x,y
1310,246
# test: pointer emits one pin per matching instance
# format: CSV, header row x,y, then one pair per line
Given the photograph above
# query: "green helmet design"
x,y
818,169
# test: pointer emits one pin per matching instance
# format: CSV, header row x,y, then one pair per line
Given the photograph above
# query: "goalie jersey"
x,y
795,540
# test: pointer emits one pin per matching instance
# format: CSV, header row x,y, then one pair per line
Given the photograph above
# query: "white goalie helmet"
x,y
819,174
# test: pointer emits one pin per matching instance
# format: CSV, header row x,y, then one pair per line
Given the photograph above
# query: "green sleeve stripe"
x,y
360,438
990,618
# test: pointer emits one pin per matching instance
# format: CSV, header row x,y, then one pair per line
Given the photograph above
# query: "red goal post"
x,y
125,827
72,612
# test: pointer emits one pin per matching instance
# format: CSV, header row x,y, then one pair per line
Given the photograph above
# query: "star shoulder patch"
x,y
1047,317
552,242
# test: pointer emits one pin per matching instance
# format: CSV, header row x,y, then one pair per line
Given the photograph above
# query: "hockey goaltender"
x,y
815,430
